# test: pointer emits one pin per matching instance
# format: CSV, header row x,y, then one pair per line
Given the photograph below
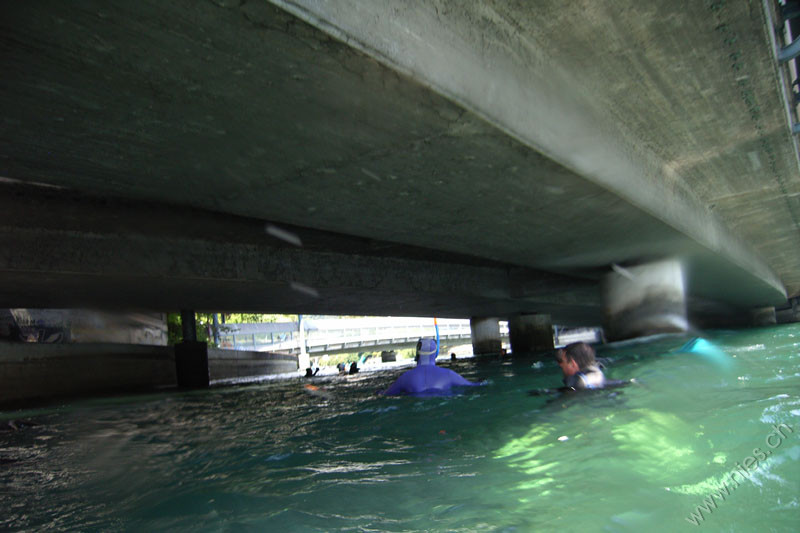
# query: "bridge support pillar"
x,y
530,333
763,316
191,355
644,300
485,335
792,314
303,360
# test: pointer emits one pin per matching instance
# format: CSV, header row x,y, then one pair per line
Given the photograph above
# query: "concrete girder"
x,y
470,63
160,257
501,137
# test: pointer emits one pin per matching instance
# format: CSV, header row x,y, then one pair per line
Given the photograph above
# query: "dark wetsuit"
x,y
590,377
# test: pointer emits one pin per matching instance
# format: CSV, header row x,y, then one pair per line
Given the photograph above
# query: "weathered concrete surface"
x,y
763,316
644,300
556,136
485,335
675,107
239,364
94,252
530,333
31,371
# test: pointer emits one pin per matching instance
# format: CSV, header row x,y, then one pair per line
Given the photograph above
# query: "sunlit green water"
x,y
273,457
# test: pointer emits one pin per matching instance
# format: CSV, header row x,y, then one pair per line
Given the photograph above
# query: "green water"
x,y
276,458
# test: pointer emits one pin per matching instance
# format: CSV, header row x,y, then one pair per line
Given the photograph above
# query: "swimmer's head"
x,y
575,357
427,351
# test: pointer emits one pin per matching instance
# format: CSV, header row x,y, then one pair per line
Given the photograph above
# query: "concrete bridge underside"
x,y
447,158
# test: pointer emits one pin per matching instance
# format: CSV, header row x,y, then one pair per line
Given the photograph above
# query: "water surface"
x,y
274,457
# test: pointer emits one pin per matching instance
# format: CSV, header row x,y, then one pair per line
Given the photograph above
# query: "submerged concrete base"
x,y
303,361
763,316
644,300
530,333
485,335
191,364
224,365
34,371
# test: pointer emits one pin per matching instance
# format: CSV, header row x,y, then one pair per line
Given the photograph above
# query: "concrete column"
x,y
763,316
530,333
644,300
485,335
303,360
216,329
191,356
188,325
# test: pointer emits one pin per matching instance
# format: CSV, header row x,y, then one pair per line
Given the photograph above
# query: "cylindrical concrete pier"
x,y
188,325
191,355
644,300
530,333
485,335
303,360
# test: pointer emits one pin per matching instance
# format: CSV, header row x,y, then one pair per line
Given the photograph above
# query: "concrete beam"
x,y
789,313
421,107
101,253
534,96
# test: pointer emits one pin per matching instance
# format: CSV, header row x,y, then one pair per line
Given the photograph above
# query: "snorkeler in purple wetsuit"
x,y
427,379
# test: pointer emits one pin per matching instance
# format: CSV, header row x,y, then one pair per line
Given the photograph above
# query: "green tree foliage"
x,y
205,323
255,318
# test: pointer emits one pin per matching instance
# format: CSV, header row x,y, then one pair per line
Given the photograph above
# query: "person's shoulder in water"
x,y
426,378
580,367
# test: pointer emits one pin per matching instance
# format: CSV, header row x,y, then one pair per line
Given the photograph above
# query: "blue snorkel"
x,y
436,325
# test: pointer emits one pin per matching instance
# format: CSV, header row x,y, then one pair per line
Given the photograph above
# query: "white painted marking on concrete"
x,y
371,174
284,235
4,179
305,289
625,273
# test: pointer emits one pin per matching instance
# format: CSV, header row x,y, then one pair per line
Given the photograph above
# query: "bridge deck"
x,y
558,138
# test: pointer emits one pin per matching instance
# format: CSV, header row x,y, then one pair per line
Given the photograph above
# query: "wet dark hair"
x,y
580,352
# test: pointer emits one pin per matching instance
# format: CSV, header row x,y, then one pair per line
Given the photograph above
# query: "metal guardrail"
x,y
331,336
351,335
